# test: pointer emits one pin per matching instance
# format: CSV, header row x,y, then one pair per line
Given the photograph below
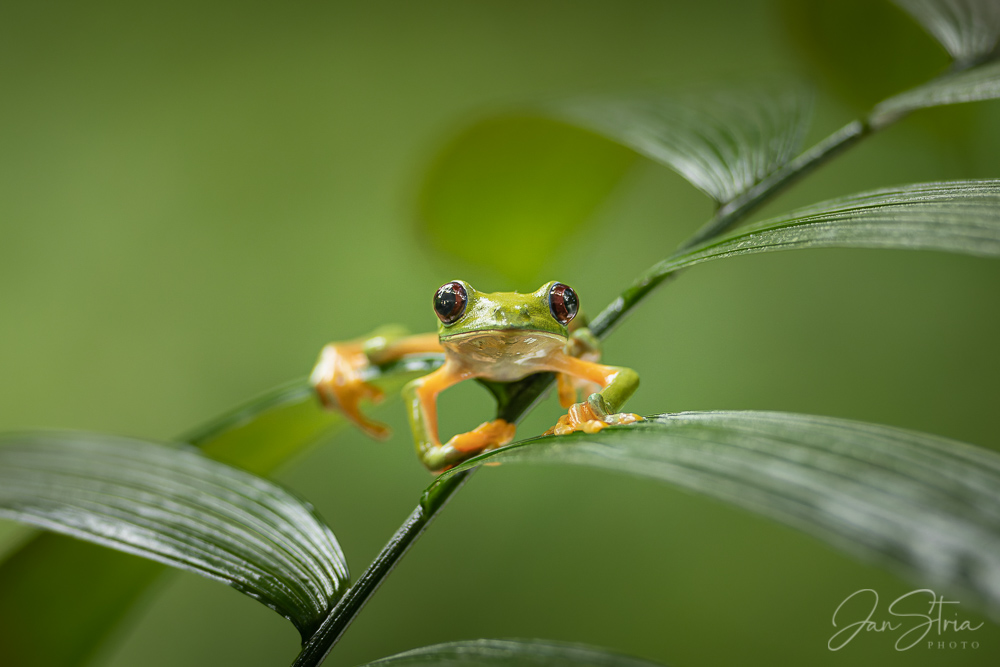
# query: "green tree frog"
x,y
499,336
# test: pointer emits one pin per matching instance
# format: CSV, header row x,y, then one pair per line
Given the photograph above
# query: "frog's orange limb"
x,y
567,389
582,417
423,410
338,383
418,344
581,345
488,435
421,397
617,385
585,370
337,375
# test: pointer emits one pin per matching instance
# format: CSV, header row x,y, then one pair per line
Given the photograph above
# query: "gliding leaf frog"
x,y
503,337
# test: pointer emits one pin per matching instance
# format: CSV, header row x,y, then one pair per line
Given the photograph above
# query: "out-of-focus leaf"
x,y
259,435
972,85
510,653
507,179
722,141
276,426
967,29
175,506
927,504
510,178
96,586
954,216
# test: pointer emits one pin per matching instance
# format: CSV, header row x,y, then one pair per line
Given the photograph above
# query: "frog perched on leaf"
x,y
499,336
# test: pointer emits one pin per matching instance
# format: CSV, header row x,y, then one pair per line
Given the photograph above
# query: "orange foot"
x,y
488,435
583,417
337,378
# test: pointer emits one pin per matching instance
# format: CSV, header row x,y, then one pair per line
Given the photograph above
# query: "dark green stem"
x,y
516,399
736,210
337,621
728,216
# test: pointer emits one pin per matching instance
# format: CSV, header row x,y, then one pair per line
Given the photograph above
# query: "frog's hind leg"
x,y
420,397
338,374
338,381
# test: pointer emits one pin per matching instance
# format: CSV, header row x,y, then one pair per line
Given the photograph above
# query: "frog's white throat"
x,y
503,355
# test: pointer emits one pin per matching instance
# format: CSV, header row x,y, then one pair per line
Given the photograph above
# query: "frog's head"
x,y
464,310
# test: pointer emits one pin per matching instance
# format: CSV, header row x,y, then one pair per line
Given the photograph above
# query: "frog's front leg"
x,y
420,396
582,344
601,408
337,376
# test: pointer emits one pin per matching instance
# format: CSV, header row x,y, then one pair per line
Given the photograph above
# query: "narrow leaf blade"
x,y
967,29
180,508
972,85
723,141
916,501
953,216
509,653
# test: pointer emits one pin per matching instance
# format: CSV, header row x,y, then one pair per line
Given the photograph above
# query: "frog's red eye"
x,y
449,302
563,303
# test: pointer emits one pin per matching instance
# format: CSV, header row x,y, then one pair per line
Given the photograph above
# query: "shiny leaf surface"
x,y
98,585
175,506
920,502
508,653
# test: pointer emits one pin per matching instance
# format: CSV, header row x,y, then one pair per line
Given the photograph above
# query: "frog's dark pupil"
x,y
449,302
563,303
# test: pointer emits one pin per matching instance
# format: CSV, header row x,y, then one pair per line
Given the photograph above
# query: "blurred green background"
x,y
194,197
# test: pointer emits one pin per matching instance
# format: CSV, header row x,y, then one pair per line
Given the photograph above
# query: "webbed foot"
x,y
590,417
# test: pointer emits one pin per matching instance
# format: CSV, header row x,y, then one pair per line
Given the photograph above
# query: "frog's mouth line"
x,y
513,332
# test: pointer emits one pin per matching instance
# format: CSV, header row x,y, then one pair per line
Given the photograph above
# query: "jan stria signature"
x,y
859,617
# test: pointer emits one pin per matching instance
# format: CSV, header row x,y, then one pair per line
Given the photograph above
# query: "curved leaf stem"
x,y
515,401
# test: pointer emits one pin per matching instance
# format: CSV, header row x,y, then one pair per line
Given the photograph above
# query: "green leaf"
x,y
175,506
96,586
967,29
924,503
506,179
261,434
510,653
278,425
722,141
511,177
973,85
954,216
